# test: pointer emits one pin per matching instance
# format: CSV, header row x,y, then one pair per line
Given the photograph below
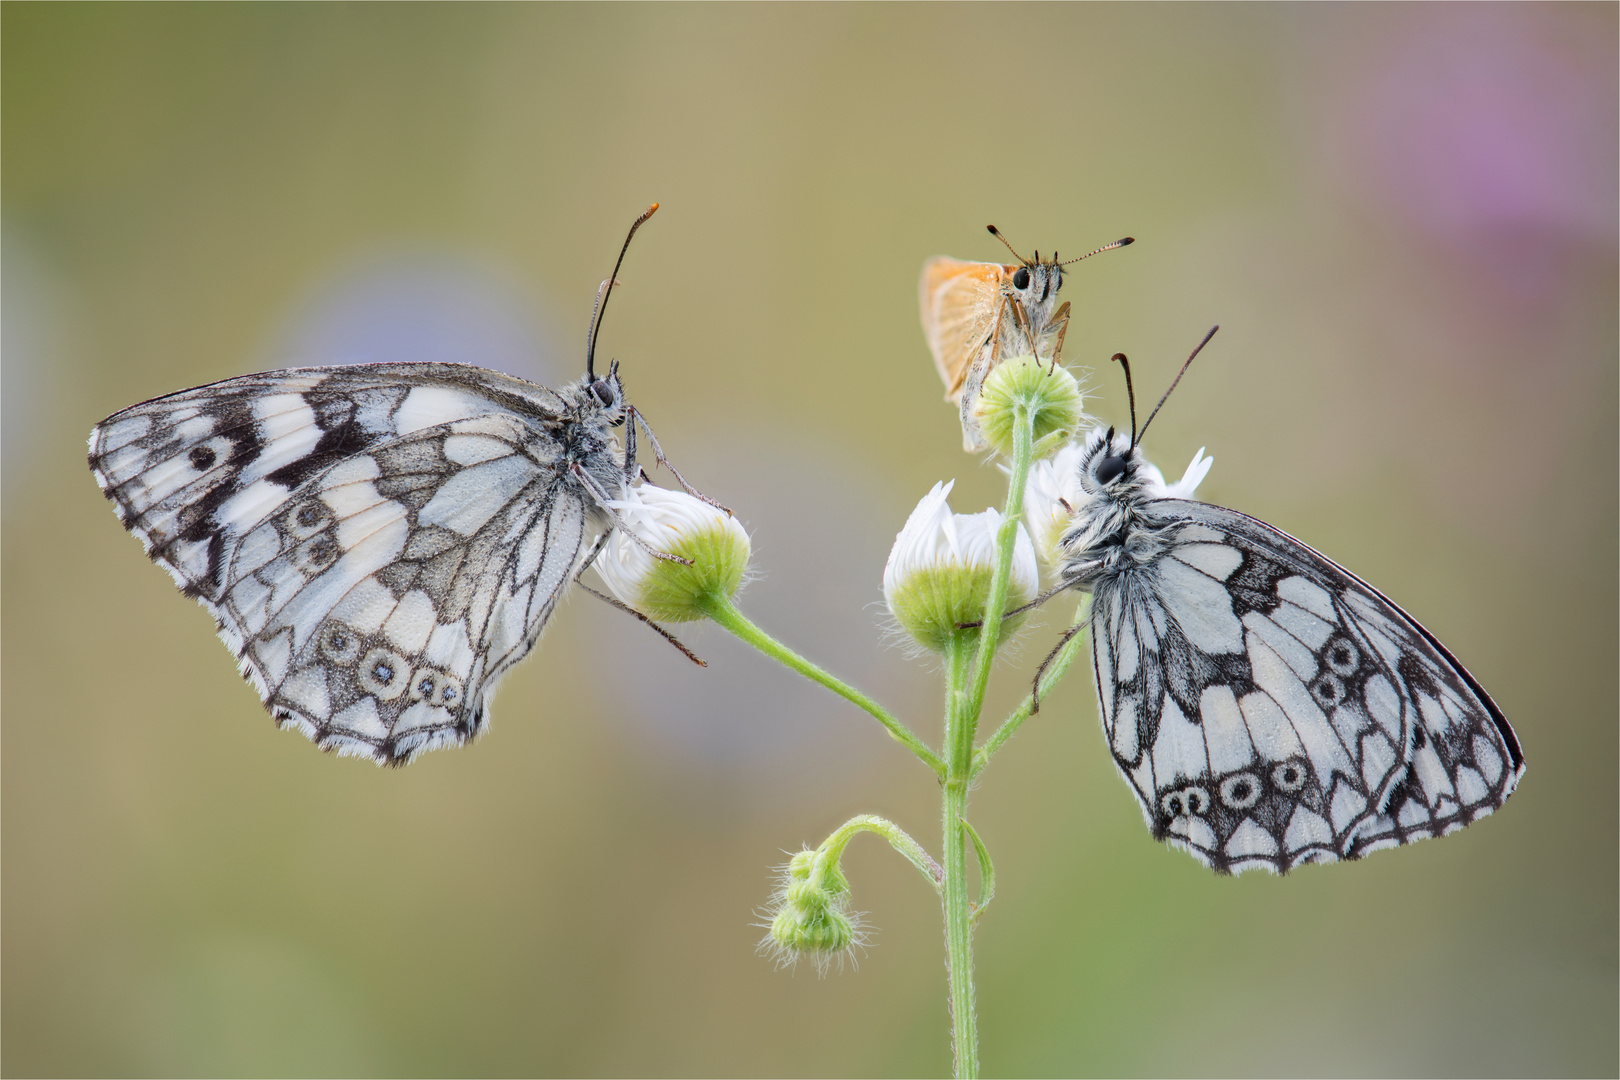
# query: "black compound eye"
x,y
603,392
1021,278
1110,468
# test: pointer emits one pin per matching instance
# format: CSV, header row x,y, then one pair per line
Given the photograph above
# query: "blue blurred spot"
x,y
425,308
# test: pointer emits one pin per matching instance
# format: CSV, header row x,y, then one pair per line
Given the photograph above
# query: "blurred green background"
x,y
1404,219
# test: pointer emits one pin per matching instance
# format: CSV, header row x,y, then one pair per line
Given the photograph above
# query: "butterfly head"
x,y
1112,482
1112,462
1110,465
1034,283
605,395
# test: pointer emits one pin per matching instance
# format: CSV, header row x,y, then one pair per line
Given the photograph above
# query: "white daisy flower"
x,y
1184,488
938,574
678,524
1050,495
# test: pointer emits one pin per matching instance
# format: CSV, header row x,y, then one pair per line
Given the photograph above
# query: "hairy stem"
x,y
1006,537
958,912
969,656
1049,678
725,613
832,848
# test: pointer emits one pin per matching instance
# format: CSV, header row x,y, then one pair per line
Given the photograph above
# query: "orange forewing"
x,y
961,306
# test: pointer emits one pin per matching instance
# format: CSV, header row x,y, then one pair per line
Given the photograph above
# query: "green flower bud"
x,y
809,917
1049,392
679,524
938,574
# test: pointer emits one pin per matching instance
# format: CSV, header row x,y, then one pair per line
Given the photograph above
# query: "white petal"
x,y
934,537
663,519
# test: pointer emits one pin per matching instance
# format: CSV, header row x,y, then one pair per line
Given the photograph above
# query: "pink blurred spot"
x,y
1493,130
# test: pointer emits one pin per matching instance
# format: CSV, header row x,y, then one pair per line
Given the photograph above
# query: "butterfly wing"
x,y
1269,708
959,302
379,544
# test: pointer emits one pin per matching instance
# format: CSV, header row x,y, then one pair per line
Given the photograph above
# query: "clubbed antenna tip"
x,y
606,290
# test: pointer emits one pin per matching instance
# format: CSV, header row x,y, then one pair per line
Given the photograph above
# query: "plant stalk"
x,y
725,613
958,912
996,605
969,657
1026,708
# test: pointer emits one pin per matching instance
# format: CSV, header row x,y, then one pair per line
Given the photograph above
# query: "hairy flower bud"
x,y
938,574
809,916
1050,394
682,525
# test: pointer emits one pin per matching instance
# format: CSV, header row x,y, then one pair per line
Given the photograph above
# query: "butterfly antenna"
x,y
606,290
1179,374
1131,394
995,232
1126,242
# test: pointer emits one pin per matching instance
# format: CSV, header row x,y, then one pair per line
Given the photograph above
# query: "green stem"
x,y
987,871
832,848
725,613
959,724
1006,537
968,659
1049,678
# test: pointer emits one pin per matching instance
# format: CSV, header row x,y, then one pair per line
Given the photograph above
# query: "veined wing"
x,y
1268,707
189,472
959,303
378,543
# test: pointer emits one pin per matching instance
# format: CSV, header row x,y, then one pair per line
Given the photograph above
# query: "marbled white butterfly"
x,y
1268,707
379,543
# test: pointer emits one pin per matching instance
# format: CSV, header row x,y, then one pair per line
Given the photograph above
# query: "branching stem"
x,y
725,613
832,848
1049,678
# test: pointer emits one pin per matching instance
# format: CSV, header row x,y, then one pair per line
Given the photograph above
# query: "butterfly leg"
x,y
990,352
630,466
1058,327
1035,691
594,490
658,455
1032,605
626,608
1021,317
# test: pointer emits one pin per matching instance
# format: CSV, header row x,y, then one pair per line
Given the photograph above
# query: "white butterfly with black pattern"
x,y
379,543
1267,706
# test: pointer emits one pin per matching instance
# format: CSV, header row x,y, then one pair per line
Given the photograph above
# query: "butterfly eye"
x,y
1110,468
603,392
1021,278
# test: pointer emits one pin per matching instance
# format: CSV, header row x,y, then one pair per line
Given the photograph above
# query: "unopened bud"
x,y
714,543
